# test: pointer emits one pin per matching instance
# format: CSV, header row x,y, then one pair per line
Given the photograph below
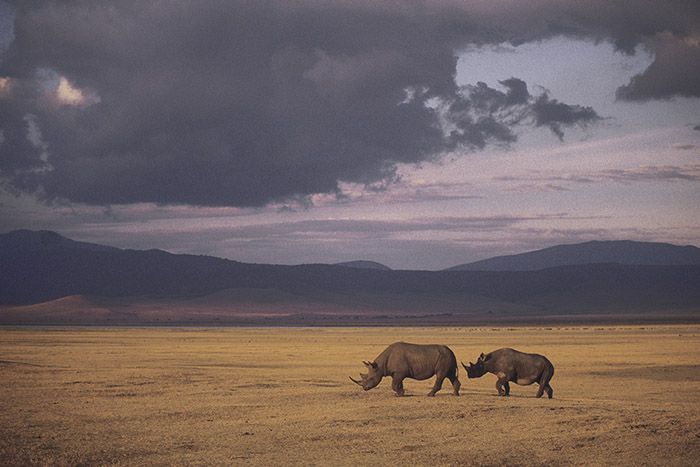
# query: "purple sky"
x,y
421,135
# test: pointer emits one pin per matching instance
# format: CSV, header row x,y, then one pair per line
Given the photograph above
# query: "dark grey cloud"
x,y
517,105
224,103
554,114
675,71
668,29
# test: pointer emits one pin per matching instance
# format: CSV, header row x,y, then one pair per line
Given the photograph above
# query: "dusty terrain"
x,y
271,396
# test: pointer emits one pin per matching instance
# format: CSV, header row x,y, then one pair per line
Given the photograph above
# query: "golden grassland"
x,y
274,396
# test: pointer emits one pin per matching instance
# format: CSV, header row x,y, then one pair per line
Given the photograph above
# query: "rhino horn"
x,y
366,363
355,381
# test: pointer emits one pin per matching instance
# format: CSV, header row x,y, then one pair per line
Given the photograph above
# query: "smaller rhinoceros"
x,y
518,367
402,360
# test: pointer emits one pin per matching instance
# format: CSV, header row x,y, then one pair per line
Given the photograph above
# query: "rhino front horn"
x,y
355,381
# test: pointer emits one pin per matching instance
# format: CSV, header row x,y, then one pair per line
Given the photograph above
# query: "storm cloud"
x,y
675,71
223,103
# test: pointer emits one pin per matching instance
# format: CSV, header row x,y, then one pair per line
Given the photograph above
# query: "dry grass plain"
x,y
274,396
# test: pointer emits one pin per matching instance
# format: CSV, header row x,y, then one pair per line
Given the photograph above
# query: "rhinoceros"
x,y
518,367
403,360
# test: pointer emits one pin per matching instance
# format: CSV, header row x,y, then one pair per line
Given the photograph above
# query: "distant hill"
x,y
49,279
619,252
31,240
364,265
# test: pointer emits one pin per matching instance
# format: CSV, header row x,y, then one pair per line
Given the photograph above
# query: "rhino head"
x,y
476,370
370,379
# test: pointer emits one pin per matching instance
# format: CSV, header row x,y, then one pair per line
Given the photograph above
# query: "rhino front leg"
x,y
501,384
455,385
397,384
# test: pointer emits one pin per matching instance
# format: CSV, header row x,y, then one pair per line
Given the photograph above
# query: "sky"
x,y
419,134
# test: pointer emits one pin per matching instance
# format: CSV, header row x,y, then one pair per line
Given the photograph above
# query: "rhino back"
x,y
418,361
526,365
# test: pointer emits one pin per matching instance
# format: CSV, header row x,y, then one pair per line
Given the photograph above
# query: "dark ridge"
x,y
364,265
619,251
35,240
36,271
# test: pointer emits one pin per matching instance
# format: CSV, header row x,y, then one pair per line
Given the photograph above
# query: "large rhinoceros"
x,y
518,367
402,360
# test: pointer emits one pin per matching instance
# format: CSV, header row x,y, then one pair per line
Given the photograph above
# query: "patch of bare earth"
x,y
271,396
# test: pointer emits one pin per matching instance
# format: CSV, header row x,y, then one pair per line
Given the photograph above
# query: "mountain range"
x,y
49,279
363,264
619,251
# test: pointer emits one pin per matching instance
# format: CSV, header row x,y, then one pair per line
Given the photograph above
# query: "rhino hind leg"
x,y
545,387
544,383
540,390
438,384
506,386
549,390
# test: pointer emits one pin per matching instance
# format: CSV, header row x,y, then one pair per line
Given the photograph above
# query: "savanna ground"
x,y
272,396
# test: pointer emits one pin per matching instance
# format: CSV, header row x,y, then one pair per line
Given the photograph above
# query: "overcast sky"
x,y
420,134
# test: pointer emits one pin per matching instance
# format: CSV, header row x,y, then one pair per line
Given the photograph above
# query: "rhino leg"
x,y
397,384
438,384
506,386
455,385
549,390
545,387
544,383
500,383
540,390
